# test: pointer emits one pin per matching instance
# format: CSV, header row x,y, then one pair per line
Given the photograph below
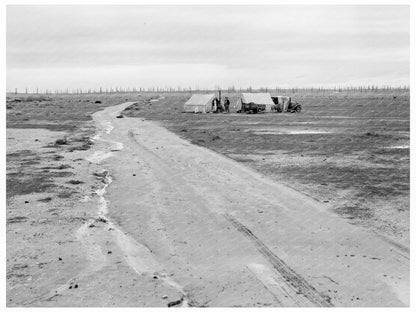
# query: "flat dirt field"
x,y
347,150
126,196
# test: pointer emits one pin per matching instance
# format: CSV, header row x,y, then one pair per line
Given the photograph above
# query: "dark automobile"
x,y
285,104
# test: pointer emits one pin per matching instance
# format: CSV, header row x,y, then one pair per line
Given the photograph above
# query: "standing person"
x,y
214,105
227,105
219,106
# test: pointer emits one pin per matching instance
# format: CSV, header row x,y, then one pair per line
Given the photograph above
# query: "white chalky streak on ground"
x,y
399,147
137,255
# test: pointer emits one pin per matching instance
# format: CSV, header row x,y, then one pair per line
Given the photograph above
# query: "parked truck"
x,y
252,108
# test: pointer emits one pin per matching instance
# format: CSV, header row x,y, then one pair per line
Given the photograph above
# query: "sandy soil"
x,y
168,222
341,150
42,251
388,217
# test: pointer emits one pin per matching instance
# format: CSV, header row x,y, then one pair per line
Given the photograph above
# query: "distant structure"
x,y
199,103
255,98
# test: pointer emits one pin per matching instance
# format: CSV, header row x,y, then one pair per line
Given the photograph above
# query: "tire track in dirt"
x,y
291,278
179,187
287,286
176,184
209,185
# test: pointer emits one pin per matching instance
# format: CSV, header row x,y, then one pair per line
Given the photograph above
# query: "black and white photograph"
x,y
235,155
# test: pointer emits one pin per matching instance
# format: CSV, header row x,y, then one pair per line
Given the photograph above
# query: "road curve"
x,y
192,227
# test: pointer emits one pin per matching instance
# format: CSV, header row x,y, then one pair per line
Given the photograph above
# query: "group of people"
x,y
218,108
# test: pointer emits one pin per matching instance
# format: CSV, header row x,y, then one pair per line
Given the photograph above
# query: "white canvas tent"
x,y
199,103
256,98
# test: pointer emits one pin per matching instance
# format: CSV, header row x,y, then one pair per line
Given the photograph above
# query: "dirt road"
x,y
178,224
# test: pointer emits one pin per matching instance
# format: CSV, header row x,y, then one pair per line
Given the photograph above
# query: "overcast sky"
x,y
59,47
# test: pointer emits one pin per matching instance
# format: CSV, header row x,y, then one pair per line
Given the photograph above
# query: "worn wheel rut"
x,y
298,284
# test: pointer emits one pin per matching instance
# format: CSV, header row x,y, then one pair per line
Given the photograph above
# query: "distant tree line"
x,y
230,89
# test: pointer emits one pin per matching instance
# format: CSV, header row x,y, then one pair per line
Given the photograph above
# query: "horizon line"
x,y
179,89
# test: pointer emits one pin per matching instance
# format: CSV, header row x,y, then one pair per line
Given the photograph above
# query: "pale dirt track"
x,y
184,222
